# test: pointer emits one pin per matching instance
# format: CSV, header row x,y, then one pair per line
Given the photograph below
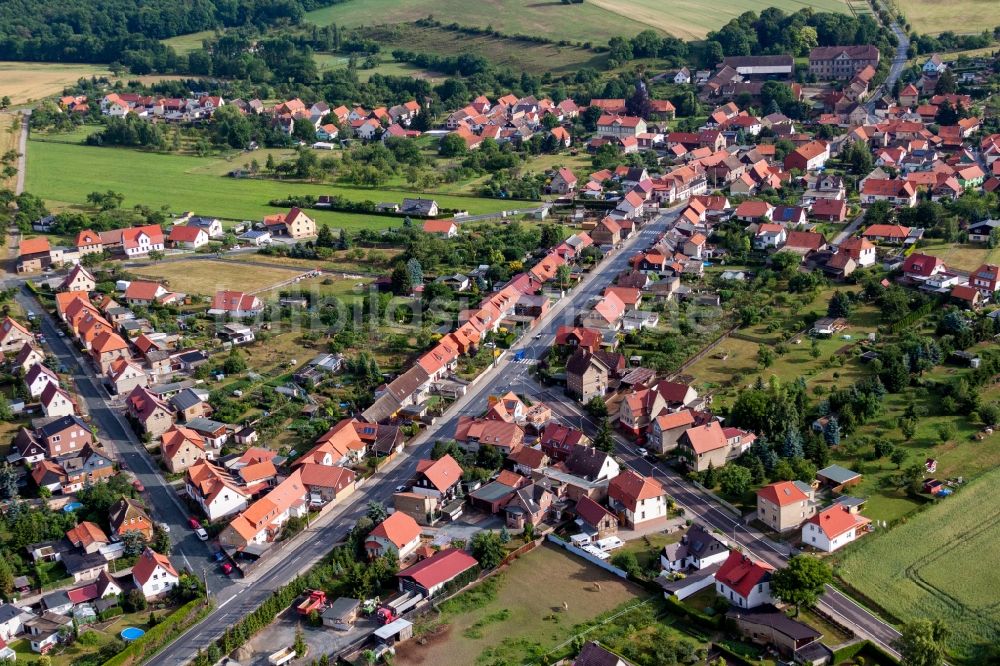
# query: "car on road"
x,y
62,334
401,488
201,534
538,336
137,484
642,452
193,522
227,568
41,337
31,315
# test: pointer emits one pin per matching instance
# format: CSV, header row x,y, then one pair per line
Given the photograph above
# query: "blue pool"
x,y
72,506
132,633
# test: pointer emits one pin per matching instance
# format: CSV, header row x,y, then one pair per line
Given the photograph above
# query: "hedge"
x,y
695,615
163,633
848,652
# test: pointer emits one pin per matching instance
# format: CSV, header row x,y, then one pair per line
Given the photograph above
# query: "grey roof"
x,y
186,399
848,501
492,491
204,425
61,423
56,599
594,654
341,607
769,616
9,612
586,461
78,563
837,474
672,586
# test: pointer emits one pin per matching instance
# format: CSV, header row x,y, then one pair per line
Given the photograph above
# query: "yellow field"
x,y
964,256
205,277
961,16
27,81
9,136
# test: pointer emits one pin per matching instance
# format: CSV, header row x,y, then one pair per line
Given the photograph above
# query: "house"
x,y
529,505
215,490
909,95
88,537
793,640
293,224
264,520
837,478
895,191
128,515
804,243
154,575
124,375
979,232
143,292
588,374
986,279
615,126
606,233
637,499
842,62
89,242
472,433
594,520
828,326
785,505
591,464
698,549
808,157
107,348
934,65
438,478
140,241
829,210
666,429
399,534
428,577
919,266
256,238
861,250
559,442
78,279
744,582
564,182
190,404
13,336
46,630
769,236
419,207
152,414
704,445
325,483
212,226
446,228
34,254
58,437
56,402
27,357
37,378
236,304
833,527
754,210
967,295
183,447
189,238
12,621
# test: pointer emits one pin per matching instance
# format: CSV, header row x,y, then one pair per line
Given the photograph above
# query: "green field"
x,y
64,173
939,564
594,21
189,42
961,16
966,256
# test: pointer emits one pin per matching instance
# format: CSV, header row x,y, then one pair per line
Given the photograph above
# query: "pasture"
x,y
204,277
961,16
509,620
933,566
28,81
63,174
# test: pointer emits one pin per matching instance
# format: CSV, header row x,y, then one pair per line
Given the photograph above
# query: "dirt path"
x,y
22,148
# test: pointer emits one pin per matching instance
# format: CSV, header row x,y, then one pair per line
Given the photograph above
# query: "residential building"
x,y
744,582
698,549
154,575
237,304
842,62
151,414
785,505
183,447
833,527
13,336
637,499
128,515
293,224
217,493
398,534
589,374
430,576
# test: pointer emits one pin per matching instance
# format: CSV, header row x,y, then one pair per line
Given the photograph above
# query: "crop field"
x,y
524,614
24,81
939,565
63,174
961,16
966,256
204,276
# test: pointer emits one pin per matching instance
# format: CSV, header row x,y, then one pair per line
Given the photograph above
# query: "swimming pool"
x,y
132,633
72,506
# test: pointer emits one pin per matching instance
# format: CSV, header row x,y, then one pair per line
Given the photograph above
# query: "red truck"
x,y
314,601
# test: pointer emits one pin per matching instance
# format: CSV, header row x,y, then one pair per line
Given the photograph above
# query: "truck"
x,y
314,601
282,656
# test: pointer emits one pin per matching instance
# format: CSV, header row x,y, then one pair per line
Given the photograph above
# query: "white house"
x,y
37,378
215,491
211,225
683,76
769,236
11,621
640,498
833,527
56,402
697,549
154,574
399,533
744,582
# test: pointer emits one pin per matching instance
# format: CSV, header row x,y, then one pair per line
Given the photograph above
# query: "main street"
x,y
243,596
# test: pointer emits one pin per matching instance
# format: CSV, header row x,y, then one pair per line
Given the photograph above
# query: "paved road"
x,y
849,230
895,69
22,147
243,596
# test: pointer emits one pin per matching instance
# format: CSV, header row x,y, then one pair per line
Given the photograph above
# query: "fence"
x,y
587,556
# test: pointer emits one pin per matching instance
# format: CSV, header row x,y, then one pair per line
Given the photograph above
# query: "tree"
x,y
6,578
831,431
898,457
946,84
792,445
563,274
765,356
452,145
415,271
8,481
840,305
883,448
134,543
400,280
596,407
710,479
299,645
801,583
734,480
235,363
604,440
922,643
135,601
487,548
504,535
376,512
989,413
324,238
488,457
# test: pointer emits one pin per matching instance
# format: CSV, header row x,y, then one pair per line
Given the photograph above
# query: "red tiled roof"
x,y
147,564
708,437
440,568
629,488
399,528
34,246
836,520
741,574
443,473
143,290
782,493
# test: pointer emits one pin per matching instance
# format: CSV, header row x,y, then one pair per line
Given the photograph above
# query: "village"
x,y
682,369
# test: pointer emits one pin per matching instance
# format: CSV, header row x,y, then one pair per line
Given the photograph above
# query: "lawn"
x,y
205,277
63,174
692,19
526,612
10,135
926,567
28,81
965,256
961,16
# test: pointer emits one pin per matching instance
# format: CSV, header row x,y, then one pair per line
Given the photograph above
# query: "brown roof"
x,y
708,437
630,487
443,473
147,564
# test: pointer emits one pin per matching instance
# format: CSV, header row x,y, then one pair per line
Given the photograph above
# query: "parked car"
x,y
201,534
227,568
137,484
193,522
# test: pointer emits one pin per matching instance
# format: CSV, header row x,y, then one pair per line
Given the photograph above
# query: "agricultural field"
x,y
529,56
927,568
27,81
204,277
189,42
63,174
688,19
965,256
523,614
961,16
